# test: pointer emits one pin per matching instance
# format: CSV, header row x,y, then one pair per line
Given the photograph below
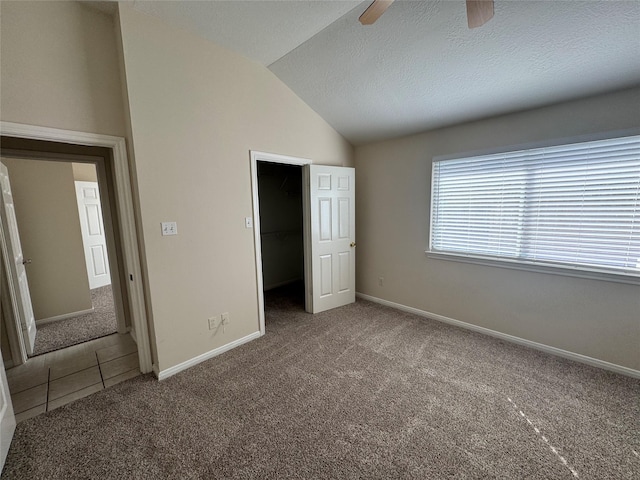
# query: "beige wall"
x,y
595,318
84,172
196,112
47,213
59,67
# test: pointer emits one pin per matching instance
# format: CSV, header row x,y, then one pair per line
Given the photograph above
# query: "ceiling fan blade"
x,y
374,11
479,12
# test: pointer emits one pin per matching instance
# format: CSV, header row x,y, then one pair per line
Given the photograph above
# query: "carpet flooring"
x,y
363,391
71,331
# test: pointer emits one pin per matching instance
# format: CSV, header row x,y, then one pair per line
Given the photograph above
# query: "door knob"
x,y
26,261
352,244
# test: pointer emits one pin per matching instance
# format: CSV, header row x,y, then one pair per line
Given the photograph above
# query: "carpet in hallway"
x,y
82,328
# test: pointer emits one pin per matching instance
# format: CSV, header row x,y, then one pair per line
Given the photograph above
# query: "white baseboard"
x,y
64,316
594,362
162,374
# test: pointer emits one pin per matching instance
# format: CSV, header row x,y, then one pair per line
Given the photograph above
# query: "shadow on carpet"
x,y
71,331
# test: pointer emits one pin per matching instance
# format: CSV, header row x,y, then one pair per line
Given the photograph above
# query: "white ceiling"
x,y
419,66
262,30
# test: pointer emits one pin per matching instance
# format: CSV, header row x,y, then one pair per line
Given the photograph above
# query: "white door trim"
x,y
126,217
274,158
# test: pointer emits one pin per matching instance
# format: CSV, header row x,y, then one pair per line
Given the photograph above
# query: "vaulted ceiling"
x,y
419,66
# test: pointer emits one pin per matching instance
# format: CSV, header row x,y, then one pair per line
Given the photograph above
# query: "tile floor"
x,y
54,379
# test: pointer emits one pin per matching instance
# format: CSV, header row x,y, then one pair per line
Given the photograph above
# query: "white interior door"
x,y
18,275
331,239
93,236
7,419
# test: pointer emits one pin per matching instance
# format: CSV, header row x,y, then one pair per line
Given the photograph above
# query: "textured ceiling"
x,y
419,66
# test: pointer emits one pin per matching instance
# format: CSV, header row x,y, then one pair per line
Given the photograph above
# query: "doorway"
x,y
67,311
59,218
114,168
55,212
328,231
274,169
58,379
281,235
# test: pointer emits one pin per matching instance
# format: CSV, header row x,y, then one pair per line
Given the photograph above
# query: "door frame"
x,y
126,218
8,298
286,160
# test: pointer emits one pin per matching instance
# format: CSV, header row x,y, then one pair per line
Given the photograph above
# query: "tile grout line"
x,y
71,393
124,373
49,380
25,389
100,369
46,403
73,373
118,374
48,400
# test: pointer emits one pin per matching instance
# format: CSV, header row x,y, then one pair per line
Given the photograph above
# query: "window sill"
x,y
579,272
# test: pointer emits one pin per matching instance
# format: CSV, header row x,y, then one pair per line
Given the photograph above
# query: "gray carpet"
x,y
71,331
363,391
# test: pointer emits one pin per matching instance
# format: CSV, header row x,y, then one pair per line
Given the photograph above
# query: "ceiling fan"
x,y
479,12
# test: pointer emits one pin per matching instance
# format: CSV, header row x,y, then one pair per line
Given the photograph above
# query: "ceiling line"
x,y
316,34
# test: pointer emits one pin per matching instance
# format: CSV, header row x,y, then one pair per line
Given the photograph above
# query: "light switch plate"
x,y
248,222
169,228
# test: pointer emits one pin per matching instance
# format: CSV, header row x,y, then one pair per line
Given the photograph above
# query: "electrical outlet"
x,y
381,281
225,318
213,322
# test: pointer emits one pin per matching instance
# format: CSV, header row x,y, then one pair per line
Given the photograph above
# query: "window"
x,y
574,206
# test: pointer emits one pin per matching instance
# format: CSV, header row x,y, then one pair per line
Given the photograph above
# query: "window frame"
x,y
579,271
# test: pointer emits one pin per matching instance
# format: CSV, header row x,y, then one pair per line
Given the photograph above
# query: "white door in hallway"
x,y
332,235
93,236
12,252
7,419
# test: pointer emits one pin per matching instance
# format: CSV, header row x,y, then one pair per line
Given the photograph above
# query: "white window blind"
x,y
575,205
